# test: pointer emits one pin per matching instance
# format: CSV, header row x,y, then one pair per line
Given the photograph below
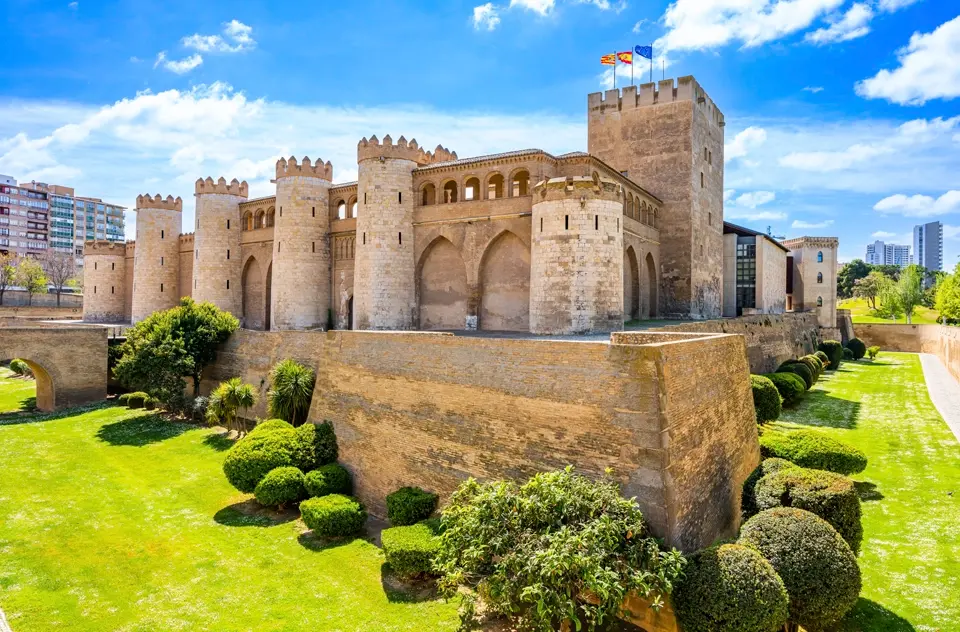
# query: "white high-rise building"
x,y
928,245
880,253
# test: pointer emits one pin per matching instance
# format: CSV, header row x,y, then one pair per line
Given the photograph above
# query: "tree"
x,y
30,277
889,297
202,327
227,400
8,272
291,390
889,270
910,289
869,286
848,275
947,301
60,269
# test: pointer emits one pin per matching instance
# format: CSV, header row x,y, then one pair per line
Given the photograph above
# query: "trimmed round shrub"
x,y
334,515
857,347
818,365
410,550
250,458
873,352
822,357
808,448
748,500
800,369
316,445
20,367
766,399
150,403
328,479
270,425
831,496
848,355
135,400
834,353
816,565
281,486
730,588
790,385
410,505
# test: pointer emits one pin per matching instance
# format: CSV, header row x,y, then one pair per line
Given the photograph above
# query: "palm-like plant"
x,y
229,398
291,389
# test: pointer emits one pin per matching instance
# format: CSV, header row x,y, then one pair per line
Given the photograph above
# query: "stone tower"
x,y
156,258
301,253
104,281
669,138
576,256
217,263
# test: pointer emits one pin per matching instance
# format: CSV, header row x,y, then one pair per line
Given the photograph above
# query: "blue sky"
x,y
843,117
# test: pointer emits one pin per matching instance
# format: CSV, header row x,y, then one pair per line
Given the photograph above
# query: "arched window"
x,y
656,218
820,257
643,213
450,192
342,210
819,301
352,205
495,187
259,219
471,189
247,221
521,181
819,277
630,206
428,194
271,214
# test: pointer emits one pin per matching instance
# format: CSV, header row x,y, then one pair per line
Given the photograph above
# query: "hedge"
x,y
328,479
730,588
410,550
316,445
281,486
790,385
848,355
873,352
748,500
766,399
815,450
857,347
831,496
270,425
800,369
834,352
816,565
822,357
409,505
334,515
250,458
818,364
134,400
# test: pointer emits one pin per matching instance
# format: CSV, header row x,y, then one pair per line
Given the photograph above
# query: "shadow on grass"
x,y
250,513
318,543
869,616
867,491
32,417
820,408
141,431
401,590
28,405
219,441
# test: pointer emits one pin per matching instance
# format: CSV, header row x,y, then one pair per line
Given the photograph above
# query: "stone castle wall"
x,y
942,341
21,298
156,269
104,278
217,265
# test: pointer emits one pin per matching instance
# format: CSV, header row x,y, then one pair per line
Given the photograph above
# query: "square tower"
x,y
668,137
813,276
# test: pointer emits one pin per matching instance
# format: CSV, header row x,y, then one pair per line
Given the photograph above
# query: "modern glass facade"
x,y
746,273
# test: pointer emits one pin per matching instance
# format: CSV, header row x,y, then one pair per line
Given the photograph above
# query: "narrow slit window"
x,y
94,267
701,179
228,284
161,287
161,261
541,224
111,289
94,289
228,224
113,266
313,246
400,238
162,233
281,211
364,239
313,211
566,222
228,254
400,197
596,222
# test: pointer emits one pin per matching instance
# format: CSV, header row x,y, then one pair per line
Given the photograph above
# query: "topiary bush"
x,y
847,355
818,365
150,403
730,588
334,515
824,360
328,479
800,369
766,399
20,367
857,347
410,505
135,400
410,550
816,565
270,425
748,500
815,450
831,496
873,352
250,458
316,445
281,486
790,385
834,353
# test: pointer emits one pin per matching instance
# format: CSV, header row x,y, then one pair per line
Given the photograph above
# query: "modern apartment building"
x,y
24,219
928,245
880,253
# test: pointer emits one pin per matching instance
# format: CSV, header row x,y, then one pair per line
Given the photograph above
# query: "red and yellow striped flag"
x,y
609,60
625,58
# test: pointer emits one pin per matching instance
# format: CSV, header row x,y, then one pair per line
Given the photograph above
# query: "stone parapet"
x,y
287,167
110,248
145,201
208,186
373,149
647,94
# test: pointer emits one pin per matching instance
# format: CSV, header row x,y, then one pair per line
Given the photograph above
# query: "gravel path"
x,y
3,623
944,390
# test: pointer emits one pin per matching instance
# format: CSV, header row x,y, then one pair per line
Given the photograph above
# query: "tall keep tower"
x,y
669,138
156,258
217,264
104,275
576,256
301,258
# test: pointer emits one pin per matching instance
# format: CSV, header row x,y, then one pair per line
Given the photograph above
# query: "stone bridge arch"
x,y
70,363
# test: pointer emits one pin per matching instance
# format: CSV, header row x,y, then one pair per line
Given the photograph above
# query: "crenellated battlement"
x,y
208,186
170,204
583,187
649,94
103,247
131,247
372,148
186,238
287,167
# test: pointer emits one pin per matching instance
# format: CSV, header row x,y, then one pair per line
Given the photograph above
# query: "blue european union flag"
x,y
645,51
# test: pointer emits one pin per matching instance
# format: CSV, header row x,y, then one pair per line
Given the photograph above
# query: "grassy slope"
x,y
860,312
911,488
116,520
15,392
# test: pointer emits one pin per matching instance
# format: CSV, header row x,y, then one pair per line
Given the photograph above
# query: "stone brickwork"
x,y
104,278
156,269
576,261
187,257
217,264
939,340
815,277
301,296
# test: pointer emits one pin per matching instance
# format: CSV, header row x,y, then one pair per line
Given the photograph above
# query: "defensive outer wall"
x,y
670,414
936,339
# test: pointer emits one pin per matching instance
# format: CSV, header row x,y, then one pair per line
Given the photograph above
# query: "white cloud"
x,y
894,5
755,199
920,205
744,142
74,5
853,24
485,17
882,234
797,223
236,38
951,232
929,69
543,7
639,26
135,60
813,89
754,216
179,66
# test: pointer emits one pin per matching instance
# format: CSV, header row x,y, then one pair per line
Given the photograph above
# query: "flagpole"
x,y
614,70
651,63
631,68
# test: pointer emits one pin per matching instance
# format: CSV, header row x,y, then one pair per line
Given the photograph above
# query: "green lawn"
x,y
911,490
114,519
16,393
860,312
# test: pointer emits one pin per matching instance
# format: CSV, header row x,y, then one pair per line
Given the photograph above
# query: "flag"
x,y
644,51
609,60
625,58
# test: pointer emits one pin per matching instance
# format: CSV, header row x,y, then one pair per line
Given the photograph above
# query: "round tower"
x,y
300,293
217,263
104,279
576,258
384,286
156,257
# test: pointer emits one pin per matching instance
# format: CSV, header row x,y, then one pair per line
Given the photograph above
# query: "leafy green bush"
x,y
730,588
873,352
748,500
766,399
816,565
281,486
250,458
834,352
410,505
270,425
20,367
814,363
809,448
847,355
857,347
410,550
831,496
150,403
134,400
534,551
328,479
790,385
800,369
291,389
316,445
824,359
334,515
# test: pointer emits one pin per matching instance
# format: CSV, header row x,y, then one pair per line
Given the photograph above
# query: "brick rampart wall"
x,y
935,339
19,298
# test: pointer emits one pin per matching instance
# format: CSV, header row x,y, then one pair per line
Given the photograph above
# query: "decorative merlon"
x,y
103,247
208,186
289,167
372,148
170,204
578,187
